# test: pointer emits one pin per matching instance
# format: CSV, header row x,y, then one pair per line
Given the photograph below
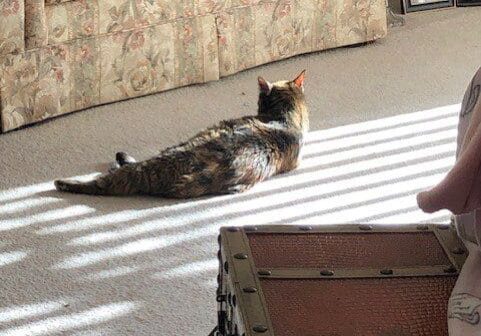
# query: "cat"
x,y
227,158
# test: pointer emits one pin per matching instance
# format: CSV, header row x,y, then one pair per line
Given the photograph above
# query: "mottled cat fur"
x,y
228,158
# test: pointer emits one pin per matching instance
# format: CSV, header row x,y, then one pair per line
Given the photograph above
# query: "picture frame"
x,y
468,3
410,6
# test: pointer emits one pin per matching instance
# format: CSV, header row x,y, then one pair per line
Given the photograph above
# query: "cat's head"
x,y
284,100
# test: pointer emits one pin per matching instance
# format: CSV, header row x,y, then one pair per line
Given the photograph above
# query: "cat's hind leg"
x,y
123,158
77,187
113,167
126,180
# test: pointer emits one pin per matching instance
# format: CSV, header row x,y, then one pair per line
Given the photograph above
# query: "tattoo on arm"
x,y
472,99
465,307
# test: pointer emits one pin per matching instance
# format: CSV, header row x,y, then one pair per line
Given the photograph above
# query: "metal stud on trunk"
x,y
240,256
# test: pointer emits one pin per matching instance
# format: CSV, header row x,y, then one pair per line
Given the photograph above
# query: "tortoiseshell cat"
x,y
228,158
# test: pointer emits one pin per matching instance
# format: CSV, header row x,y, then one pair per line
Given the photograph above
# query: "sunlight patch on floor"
x,y
131,231
26,204
30,310
63,323
51,215
335,150
23,192
27,191
134,247
343,208
11,257
345,189
370,170
383,123
102,220
371,158
112,273
349,191
189,269
360,173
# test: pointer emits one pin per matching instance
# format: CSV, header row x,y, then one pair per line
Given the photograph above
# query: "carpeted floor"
x,y
383,127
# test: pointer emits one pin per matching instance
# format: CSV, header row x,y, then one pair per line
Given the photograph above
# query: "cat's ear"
x,y
264,86
299,81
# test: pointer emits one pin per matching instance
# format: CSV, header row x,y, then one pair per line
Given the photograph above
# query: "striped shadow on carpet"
x,y
158,254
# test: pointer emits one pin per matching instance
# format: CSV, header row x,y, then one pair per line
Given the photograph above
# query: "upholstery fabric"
x,y
253,35
72,20
35,24
71,55
12,28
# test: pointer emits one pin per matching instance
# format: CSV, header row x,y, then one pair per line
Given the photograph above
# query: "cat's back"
x,y
254,133
244,139
227,132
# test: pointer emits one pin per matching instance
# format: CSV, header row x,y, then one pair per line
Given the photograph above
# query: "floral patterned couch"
x,y
58,56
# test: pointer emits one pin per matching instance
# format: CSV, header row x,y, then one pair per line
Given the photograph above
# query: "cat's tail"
x,y
78,187
117,183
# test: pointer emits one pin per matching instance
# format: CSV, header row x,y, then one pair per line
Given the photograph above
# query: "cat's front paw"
x,y
123,158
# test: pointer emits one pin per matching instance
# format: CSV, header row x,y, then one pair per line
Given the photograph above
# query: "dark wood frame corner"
x,y
408,8
468,3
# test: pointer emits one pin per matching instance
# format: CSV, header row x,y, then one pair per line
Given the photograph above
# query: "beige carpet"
x,y
383,127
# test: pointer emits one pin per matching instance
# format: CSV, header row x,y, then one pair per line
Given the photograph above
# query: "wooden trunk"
x,y
337,280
